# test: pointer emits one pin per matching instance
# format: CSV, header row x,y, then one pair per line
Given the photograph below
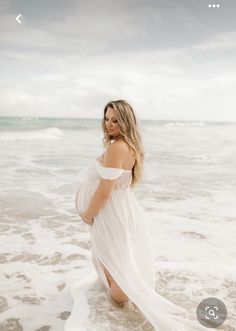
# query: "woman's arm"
x,y
113,158
97,202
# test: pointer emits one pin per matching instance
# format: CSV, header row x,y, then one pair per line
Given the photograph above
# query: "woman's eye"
x,y
114,121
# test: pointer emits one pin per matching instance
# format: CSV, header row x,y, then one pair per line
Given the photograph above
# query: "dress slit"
x,y
122,244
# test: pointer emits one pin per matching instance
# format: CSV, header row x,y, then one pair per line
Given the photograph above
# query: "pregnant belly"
x,y
84,195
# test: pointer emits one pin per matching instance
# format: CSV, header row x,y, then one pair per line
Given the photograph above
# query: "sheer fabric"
x,y
122,243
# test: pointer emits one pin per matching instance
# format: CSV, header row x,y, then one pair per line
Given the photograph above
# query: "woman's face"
x,y
111,124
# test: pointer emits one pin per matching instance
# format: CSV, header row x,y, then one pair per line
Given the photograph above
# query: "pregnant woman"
x,y
121,244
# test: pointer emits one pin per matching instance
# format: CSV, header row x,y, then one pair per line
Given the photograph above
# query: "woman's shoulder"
x,y
120,147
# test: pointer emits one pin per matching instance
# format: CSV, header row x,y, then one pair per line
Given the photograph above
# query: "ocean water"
x,y
188,194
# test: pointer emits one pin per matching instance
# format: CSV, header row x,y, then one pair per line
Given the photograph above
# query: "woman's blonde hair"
x,y
130,132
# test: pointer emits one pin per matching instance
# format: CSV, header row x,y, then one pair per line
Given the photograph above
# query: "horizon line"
x,y
95,119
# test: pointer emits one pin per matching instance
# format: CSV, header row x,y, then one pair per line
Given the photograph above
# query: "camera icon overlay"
x,y
211,312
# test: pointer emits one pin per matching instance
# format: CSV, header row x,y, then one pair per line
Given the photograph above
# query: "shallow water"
x,y
188,195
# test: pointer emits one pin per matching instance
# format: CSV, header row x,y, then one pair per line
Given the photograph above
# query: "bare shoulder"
x,y
116,154
119,146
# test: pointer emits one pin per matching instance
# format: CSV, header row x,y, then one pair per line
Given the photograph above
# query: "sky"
x,y
171,60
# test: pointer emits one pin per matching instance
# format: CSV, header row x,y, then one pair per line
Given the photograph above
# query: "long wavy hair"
x,y
130,132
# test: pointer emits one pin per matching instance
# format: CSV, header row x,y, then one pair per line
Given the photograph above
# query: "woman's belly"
x,y
84,195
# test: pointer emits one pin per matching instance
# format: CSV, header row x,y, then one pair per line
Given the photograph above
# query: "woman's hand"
x,y
86,219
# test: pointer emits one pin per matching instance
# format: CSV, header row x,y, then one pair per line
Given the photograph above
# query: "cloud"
x,y
71,67
220,41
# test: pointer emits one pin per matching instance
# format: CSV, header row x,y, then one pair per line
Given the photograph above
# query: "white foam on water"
x,y
40,134
188,198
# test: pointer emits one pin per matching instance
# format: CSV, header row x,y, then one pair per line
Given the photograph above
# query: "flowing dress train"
x,y
121,242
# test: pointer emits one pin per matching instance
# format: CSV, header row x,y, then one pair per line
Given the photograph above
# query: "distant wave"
x,y
34,123
186,124
53,133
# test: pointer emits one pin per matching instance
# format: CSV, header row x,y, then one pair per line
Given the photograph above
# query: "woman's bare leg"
x,y
116,293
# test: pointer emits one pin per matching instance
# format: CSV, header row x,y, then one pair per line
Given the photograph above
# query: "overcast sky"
x,y
173,60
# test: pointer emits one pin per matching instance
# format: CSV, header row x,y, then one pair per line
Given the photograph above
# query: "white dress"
x,y
122,243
